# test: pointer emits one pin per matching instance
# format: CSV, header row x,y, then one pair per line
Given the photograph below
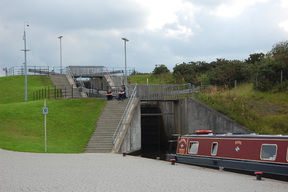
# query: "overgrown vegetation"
x,y
261,112
267,72
70,123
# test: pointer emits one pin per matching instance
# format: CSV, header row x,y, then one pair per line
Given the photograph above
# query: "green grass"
x,y
70,123
261,112
12,87
152,79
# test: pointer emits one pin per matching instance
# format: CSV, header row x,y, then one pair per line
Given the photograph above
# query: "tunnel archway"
x,y
154,142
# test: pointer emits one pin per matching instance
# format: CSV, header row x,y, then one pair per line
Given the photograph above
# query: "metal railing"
x,y
56,92
48,93
34,70
124,116
164,92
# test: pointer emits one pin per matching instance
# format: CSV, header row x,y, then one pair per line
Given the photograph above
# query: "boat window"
x,y
193,148
268,152
214,148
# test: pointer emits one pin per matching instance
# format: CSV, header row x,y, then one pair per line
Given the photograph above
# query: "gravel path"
x,y
113,172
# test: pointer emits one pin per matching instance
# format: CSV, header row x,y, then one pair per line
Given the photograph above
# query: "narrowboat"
x,y
245,152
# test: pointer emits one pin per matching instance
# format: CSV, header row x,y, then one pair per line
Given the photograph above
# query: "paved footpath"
x,y
113,172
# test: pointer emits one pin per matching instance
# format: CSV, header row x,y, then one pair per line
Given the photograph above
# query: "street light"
x,y
25,63
60,37
125,40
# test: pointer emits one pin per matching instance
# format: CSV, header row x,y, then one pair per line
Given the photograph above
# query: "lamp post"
x,y
125,40
60,37
25,63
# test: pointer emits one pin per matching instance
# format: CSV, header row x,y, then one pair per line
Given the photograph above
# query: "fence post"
x,y
235,87
189,88
48,93
54,92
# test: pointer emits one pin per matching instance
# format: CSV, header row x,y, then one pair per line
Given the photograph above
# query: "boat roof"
x,y
236,135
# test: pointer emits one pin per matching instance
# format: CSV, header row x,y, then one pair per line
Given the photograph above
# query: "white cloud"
x,y
180,31
284,25
161,12
234,8
173,18
284,3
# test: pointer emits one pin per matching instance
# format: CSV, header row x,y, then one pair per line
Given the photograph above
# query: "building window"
x,y
268,152
214,148
193,148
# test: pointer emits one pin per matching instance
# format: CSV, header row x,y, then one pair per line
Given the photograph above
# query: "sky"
x,y
165,32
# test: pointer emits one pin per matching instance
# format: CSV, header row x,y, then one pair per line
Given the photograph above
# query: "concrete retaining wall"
x,y
191,115
181,117
132,140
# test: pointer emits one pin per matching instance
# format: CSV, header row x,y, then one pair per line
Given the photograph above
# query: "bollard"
x,y
221,168
172,161
124,154
258,175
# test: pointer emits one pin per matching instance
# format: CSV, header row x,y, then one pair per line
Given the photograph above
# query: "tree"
x,y
190,72
254,58
273,70
226,72
162,69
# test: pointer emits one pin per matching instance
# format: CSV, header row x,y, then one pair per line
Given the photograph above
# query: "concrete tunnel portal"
x,y
154,135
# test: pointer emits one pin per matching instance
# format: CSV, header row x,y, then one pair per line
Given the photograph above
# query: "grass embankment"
x,y
259,111
70,123
152,79
12,87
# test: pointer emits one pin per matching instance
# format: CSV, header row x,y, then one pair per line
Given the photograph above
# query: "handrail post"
x,y
48,93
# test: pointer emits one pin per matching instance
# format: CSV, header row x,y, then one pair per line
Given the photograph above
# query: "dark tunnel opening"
x,y
154,142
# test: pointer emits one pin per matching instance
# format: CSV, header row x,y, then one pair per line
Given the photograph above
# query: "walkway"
x,y
113,172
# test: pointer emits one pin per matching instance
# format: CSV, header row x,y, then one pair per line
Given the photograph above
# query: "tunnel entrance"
x,y
154,142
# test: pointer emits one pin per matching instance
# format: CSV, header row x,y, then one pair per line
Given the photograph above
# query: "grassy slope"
x,y
259,111
152,79
70,123
12,87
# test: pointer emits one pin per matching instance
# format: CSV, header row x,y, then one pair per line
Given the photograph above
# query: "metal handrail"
x,y
124,116
163,92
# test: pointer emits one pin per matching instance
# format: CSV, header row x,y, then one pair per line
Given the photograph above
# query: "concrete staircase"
x,y
114,82
68,87
101,140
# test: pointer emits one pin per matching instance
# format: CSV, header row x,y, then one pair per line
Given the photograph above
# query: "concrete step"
x,y
101,139
103,150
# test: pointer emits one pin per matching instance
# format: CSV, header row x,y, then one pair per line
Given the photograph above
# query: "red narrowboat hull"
x,y
265,153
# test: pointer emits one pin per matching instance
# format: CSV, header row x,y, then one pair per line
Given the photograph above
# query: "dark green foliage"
x,y
273,69
268,72
162,69
227,72
189,72
254,58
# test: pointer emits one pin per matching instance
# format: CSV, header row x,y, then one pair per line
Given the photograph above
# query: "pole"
x,y
25,65
45,132
60,37
125,63
125,40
